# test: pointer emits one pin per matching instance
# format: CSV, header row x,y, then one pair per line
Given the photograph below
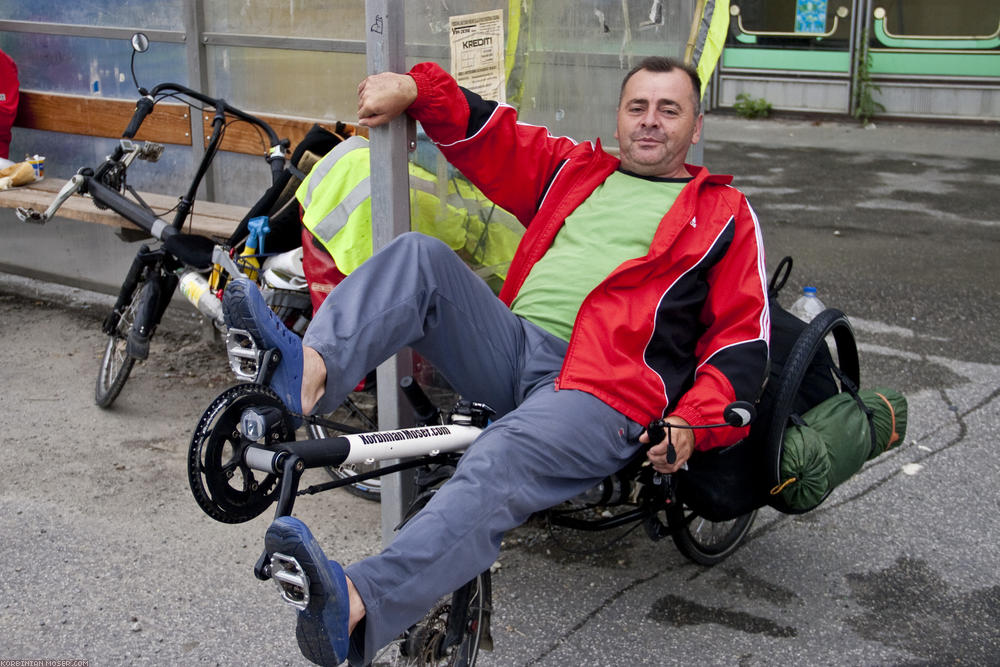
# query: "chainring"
x,y
224,487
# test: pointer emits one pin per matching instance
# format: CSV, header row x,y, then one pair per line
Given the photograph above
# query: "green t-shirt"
x,y
616,223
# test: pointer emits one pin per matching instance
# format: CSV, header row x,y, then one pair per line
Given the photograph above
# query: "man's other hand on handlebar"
x,y
683,441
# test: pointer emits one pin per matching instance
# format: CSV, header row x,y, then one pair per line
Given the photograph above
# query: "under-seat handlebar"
x,y
737,415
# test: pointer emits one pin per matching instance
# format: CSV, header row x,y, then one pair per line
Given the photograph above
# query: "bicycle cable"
x,y
322,421
260,132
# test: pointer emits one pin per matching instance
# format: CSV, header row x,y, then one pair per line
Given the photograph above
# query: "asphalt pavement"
x,y
106,558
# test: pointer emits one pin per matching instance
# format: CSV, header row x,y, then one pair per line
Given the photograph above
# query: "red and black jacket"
x,y
683,330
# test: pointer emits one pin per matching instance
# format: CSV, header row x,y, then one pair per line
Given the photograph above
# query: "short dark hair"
x,y
664,64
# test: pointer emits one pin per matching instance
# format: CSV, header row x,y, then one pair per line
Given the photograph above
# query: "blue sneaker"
x,y
244,308
323,604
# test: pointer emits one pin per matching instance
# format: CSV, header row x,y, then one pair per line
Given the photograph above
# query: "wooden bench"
x,y
209,218
168,124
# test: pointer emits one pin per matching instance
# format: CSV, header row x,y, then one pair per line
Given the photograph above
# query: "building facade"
x,y
912,58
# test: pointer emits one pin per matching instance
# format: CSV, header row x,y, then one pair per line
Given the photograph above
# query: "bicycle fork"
x,y
139,264
147,266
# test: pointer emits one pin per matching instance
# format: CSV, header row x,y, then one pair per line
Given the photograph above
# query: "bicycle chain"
x,y
320,421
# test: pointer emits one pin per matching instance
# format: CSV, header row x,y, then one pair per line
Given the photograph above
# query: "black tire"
x,y
703,541
116,364
425,643
441,637
358,410
810,341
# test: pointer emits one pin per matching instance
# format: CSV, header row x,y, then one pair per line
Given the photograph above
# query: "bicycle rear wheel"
x,y
703,541
116,364
804,355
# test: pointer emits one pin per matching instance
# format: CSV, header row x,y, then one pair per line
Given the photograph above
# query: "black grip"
x,y
277,167
657,432
739,413
318,453
142,109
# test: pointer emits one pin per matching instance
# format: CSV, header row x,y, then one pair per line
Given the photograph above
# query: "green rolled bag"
x,y
833,440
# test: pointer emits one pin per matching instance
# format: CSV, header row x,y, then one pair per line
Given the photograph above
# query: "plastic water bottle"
x,y
194,286
808,306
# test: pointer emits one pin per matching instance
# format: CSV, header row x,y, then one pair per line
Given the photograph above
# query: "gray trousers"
x,y
545,446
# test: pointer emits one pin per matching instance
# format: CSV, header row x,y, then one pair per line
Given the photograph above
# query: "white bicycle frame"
x,y
402,443
366,447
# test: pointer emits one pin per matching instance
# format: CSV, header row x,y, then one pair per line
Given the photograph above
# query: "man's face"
x,y
657,123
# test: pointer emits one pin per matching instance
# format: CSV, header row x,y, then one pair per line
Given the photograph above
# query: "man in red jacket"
x,y
637,292
9,94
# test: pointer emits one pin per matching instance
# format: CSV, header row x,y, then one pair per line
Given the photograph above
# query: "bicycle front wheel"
x,y
454,630
703,541
360,411
116,364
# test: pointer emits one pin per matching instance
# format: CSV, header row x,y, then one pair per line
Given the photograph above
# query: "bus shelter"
x,y
559,62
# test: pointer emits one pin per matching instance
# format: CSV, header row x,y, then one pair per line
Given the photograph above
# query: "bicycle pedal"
x,y
30,215
291,580
244,355
150,151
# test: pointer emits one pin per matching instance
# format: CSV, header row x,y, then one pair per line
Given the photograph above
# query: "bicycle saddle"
x,y
191,249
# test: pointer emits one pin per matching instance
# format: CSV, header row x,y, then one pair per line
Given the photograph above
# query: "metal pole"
x,y
194,48
386,51
696,153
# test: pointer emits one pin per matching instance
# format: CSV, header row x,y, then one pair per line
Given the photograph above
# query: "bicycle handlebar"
x,y
99,188
219,104
737,414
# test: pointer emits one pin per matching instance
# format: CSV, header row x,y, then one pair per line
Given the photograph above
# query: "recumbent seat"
x,y
725,483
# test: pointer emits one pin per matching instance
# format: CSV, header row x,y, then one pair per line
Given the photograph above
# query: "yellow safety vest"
x,y
336,202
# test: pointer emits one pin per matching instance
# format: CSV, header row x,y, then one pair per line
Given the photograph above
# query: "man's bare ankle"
x,y
356,606
313,378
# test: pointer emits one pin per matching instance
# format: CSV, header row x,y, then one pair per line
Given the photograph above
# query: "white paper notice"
x,y
477,53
